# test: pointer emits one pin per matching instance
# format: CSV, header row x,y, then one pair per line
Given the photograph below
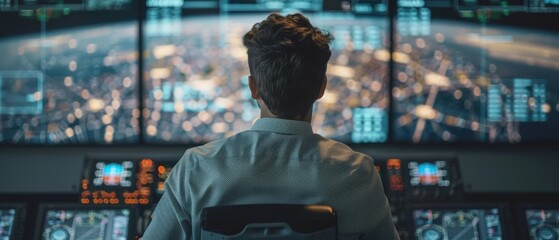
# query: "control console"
x,y
413,180
134,183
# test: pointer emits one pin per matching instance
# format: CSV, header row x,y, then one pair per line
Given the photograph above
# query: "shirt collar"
x,y
283,126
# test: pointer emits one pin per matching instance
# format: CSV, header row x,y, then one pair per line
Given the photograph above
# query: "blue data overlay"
x,y
69,72
475,71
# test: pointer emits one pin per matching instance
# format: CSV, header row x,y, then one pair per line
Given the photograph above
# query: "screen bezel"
x,y
44,208
504,213
89,168
18,226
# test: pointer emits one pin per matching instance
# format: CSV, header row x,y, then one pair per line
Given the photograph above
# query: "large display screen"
x,y
196,71
475,71
463,71
543,223
457,223
97,224
68,72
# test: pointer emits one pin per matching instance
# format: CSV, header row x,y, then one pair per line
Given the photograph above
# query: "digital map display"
x,y
197,80
68,79
474,73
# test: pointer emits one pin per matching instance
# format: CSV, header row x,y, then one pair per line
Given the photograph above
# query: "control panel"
x,y
163,171
412,180
118,195
457,222
115,182
541,222
70,221
137,183
433,179
422,179
12,217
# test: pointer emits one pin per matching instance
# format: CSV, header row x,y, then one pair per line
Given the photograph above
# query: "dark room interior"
x,y
456,102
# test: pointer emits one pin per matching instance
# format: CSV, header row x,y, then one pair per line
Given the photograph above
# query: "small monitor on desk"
x,y
71,221
458,221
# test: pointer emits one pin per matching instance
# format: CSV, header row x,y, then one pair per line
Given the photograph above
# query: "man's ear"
x,y
253,88
322,88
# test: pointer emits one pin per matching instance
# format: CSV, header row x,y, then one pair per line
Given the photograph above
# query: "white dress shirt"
x,y
276,161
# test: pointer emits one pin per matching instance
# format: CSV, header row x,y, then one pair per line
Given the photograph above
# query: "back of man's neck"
x,y
307,118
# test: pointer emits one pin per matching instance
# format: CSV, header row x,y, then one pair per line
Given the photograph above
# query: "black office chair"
x,y
269,221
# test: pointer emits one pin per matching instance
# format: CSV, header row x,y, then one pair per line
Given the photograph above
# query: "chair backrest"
x,y
269,221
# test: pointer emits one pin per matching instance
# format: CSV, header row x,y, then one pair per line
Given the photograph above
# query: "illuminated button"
x,y
147,163
546,233
414,181
59,234
394,164
440,164
431,235
98,181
